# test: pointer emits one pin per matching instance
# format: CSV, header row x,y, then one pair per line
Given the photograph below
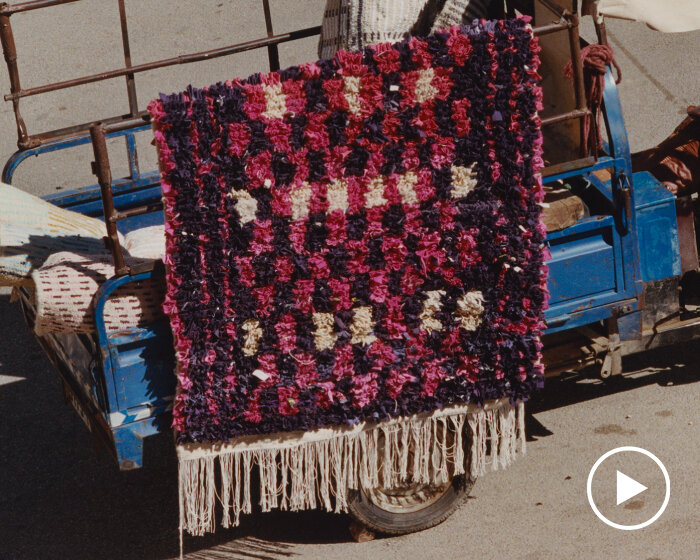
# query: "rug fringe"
x,y
317,469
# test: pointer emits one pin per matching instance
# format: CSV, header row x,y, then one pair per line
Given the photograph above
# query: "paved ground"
x,y
60,499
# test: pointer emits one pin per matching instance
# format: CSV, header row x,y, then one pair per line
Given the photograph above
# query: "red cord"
x,y
595,60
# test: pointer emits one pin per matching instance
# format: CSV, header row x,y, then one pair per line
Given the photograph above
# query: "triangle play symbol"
x,y
627,488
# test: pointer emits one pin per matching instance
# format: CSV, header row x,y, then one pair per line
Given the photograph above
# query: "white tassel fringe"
x,y
305,470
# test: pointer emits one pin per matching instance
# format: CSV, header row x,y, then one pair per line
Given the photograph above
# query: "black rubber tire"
x,y
363,509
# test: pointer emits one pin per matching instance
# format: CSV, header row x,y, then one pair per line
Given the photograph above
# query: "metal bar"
x,y
577,65
9,50
600,31
132,155
62,133
7,9
272,52
131,152
130,83
60,144
550,28
136,211
575,114
104,177
182,59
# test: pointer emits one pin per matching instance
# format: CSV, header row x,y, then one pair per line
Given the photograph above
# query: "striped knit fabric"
x,y
354,24
31,229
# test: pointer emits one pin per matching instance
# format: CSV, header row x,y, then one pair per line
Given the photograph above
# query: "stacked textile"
x,y
31,229
59,255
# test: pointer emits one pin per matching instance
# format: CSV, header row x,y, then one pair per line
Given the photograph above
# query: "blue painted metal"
x,y
132,154
80,140
597,269
138,368
129,439
660,255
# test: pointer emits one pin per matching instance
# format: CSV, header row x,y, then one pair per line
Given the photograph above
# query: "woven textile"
x,y
66,285
354,24
31,229
355,238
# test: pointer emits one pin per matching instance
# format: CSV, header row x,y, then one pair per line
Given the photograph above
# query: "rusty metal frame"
x,y
568,22
98,130
26,140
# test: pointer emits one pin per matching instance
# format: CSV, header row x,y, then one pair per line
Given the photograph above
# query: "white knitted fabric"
x,y
66,285
354,24
146,243
23,250
31,229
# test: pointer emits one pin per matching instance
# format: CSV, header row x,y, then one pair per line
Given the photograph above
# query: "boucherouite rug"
x,y
355,270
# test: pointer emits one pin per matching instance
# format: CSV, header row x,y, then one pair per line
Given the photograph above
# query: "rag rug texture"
x,y
355,269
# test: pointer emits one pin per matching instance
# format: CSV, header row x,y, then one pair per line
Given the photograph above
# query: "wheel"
x,y
409,508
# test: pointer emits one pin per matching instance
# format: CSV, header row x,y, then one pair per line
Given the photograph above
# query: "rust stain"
x,y
607,429
635,504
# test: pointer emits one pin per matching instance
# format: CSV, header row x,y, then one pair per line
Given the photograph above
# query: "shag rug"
x,y
355,269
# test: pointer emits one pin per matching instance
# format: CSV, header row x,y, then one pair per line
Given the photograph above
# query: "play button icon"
x,y
627,488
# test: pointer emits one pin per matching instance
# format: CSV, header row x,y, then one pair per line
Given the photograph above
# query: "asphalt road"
x,y
61,499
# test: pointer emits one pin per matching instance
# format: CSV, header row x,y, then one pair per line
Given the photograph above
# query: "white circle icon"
x,y
628,487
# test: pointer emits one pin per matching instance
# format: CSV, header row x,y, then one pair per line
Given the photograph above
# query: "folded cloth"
x,y
66,285
354,24
23,250
22,209
146,243
676,161
31,229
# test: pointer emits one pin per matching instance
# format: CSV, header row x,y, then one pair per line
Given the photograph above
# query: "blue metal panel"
x,y
129,437
145,368
659,252
595,270
139,376
582,266
110,353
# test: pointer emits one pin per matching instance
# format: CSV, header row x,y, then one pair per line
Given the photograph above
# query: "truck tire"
x,y
409,508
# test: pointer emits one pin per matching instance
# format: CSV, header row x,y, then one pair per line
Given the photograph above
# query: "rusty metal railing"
x,y
17,92
567,21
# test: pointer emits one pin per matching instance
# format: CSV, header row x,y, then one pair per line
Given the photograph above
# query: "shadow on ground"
x,y
61,499
668,367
